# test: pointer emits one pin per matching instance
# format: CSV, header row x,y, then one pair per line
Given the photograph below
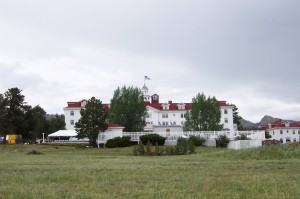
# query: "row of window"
x,y
287,131
166,115
289,140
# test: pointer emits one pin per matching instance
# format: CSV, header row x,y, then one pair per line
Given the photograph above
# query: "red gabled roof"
x,y
174,106
74,105
78,105
112,125
279,124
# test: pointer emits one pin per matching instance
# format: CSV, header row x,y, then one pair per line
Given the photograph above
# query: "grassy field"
x,y
71,172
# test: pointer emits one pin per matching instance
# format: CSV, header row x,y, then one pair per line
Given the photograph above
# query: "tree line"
x,y
127,108
17,117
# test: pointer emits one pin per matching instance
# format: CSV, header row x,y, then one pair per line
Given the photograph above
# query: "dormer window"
x,y
165,106
181,106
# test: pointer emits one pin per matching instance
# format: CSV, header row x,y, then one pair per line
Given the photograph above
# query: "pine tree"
x,y
93,120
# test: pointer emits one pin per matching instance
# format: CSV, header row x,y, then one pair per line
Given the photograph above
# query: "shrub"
x,y
242,137
191,146
149,149
170,150
141,149
197,140
118,142
153,139
181,147
222,141
34,152
267,135
158,150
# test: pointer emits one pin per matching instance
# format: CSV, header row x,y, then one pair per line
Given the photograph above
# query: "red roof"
x,y
174,106
78,105
158,106
279,124
112,125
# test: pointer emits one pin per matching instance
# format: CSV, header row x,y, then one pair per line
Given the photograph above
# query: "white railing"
x,y
135,136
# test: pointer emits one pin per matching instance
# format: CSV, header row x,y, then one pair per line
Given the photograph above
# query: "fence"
x,y
172,136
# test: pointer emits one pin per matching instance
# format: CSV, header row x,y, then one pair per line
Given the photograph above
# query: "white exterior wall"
x,y
156,117
69,117
243,144
285,133
228,116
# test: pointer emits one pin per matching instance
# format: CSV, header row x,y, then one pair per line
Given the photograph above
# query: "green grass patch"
x,y
71,172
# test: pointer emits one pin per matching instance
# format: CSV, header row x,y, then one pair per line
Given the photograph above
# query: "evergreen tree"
x,y
36,122
14,121
236,117
128,109
204,115
93,120
55,123
3,114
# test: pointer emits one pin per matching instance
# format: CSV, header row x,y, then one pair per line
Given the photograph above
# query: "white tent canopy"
x,y
63,133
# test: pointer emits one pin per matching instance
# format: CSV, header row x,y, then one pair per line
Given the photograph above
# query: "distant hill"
x,y
265,120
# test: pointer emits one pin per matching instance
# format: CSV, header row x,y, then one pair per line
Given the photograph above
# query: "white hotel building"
x,y
162,117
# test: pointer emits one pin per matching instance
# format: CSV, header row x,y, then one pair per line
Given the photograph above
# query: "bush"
x,y
170,150
118,142
197,140
267,135
153,139
222,141
34,152
191,146
242,137
181,147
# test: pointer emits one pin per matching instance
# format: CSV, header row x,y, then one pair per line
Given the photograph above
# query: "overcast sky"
x,y
245,52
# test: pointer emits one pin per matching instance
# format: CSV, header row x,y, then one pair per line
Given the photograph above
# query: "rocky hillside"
x,y
265,120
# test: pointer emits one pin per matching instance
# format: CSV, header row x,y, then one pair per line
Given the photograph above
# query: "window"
x,y
174,115
281,140
182,115
273,133
72,113
165,115
287,131
72,122
164,123
225,111
183,124
281,132
226,120
294,140
299,132
294,132
167,123
181,106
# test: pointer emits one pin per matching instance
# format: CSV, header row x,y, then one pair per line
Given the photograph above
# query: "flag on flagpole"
x,y
147,78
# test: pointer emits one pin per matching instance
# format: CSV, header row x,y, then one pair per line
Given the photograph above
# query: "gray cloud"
x,y
245,52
